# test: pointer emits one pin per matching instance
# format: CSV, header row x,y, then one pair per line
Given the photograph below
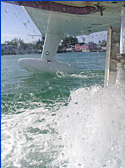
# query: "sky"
x,y
15,23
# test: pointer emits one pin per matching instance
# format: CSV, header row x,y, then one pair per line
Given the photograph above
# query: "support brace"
x,y
122,35
113,43
115,56
120,79
121,57
52,37
50,46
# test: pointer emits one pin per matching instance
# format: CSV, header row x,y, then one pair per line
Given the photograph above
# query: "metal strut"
x,y
115,55
122,35
52,37
121,57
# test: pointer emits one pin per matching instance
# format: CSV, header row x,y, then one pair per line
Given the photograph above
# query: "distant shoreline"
x,y
57,53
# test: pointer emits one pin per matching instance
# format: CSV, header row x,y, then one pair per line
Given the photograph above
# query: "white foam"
x,y
92,127
26,138
91,131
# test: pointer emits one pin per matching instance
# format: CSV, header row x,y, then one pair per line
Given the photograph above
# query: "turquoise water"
x,y
48,120
19,85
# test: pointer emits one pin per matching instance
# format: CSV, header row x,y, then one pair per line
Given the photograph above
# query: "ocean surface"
x,y
61,120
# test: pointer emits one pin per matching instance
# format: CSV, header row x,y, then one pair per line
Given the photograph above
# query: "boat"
x,y
61,19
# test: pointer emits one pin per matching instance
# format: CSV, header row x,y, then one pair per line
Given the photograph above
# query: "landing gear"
x,y
46,63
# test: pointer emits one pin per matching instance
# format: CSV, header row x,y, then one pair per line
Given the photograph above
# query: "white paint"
x,y
41,65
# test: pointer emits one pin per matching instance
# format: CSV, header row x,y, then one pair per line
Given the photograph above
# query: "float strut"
x,y
52,37
121,57
122,35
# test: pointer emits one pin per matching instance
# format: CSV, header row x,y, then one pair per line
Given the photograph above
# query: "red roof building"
x,y
83,48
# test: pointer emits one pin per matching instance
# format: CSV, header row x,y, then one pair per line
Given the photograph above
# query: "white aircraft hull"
x,y
68,24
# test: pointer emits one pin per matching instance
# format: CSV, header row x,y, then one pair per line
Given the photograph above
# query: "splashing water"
x,y
93,128
61,120
28,139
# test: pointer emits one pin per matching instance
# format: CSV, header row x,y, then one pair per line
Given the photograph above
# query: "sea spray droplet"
x,y
76,102
24,23
50,88
6,10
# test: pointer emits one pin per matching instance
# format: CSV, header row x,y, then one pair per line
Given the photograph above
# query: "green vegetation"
x,y
18,46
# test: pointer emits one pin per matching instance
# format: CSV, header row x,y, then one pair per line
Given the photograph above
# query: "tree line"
x,y
21,45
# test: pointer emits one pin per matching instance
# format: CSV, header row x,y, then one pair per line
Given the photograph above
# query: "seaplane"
x,y
57,19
